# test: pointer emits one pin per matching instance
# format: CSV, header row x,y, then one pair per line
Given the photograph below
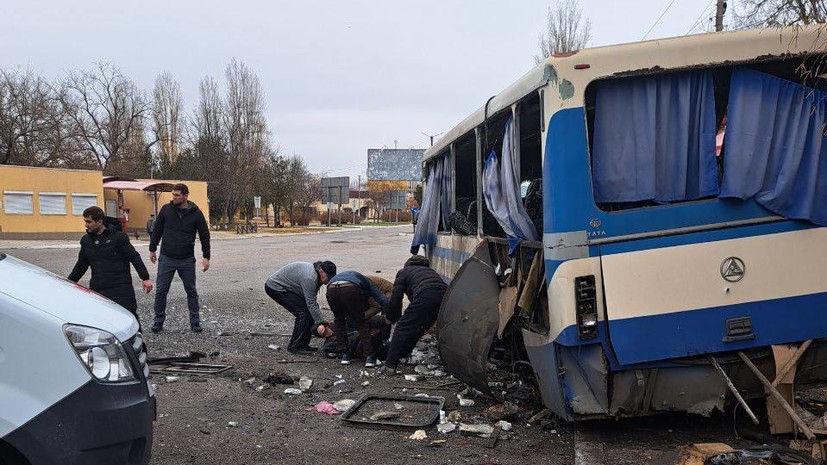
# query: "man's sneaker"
x,y
196,328
371,362
345,359
156,328
388,371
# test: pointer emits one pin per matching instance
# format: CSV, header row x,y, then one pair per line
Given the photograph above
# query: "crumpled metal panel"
x,y
586,379
468,320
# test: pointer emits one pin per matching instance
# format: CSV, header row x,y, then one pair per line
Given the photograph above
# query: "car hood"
x,y
64,299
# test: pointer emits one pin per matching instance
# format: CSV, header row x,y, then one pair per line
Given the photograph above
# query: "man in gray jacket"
x,y
295,287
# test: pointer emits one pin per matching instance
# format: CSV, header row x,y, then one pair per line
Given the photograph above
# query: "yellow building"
x,y
46,203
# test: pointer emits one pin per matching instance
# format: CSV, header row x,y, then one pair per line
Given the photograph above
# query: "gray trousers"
x,y
186,271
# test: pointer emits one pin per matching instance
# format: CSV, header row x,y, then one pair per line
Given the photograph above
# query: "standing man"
x,y
425,289
295,287
348,293
175,229
109,253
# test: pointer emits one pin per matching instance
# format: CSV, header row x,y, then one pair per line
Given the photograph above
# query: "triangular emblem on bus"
x,y
733,269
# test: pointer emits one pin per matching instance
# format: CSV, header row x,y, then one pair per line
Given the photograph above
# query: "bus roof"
x,y
641,57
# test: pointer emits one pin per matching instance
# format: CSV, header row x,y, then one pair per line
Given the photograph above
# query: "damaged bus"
x,y
633,216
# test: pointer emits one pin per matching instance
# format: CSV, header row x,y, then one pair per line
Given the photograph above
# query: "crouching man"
x,y
348,293
425,290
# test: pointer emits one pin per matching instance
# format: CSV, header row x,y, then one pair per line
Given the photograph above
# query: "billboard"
x,y
331,188
395,164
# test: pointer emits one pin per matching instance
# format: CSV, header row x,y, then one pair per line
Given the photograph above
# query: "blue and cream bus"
x,y
634,214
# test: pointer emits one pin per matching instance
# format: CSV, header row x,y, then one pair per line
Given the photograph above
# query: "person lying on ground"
x,y
348,293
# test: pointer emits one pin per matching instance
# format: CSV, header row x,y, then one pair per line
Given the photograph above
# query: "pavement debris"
x,y
385,415
480,431
418,435
278,378
446,428
506,426
293,391
325,407
344,404
232,424
305,383
172,379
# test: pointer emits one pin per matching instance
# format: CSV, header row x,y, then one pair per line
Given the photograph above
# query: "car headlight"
x,y
101,353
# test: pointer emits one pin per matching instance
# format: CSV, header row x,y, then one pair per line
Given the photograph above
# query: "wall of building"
x,y
17,181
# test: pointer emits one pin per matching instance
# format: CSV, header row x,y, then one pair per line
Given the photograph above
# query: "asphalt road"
x,y
241,327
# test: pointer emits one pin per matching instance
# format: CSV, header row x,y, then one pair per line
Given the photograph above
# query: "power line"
x,y
658,20
698,20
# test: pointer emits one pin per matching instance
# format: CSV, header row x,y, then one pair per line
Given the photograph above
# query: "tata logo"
x,y
733,269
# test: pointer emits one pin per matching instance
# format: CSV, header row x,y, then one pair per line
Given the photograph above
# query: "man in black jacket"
x,y
175,229
425,289
109,253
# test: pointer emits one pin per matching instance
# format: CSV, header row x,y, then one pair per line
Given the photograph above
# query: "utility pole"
x,y
431,136
720,9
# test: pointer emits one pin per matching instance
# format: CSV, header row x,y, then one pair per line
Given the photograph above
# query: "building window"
x,y
18,203
81,202
52,203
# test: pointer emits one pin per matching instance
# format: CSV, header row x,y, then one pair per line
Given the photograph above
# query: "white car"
x,y
73,374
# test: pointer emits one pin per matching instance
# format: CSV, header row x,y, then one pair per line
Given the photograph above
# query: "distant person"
x,y
108,252
175,229
425,290
295,287
348,293
150,223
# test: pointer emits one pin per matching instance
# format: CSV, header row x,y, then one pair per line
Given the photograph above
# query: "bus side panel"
x,y
678,301
450,252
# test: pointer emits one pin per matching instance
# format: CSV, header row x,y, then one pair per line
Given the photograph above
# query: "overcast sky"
x,y
340,76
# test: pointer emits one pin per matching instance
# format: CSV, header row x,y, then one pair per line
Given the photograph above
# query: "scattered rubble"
x,y
506,426
293,391
418,435
481,431
232,424
326,408
278,378
385,415
344,404
305,383
446,428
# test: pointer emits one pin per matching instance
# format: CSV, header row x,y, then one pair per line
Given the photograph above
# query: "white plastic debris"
x,y
338,382
483,431
446,428
274,347
413,377
292,391
418,435
232,424
504,425
344,404
305,383
463,402
421,394
398,406
172,379
422,369
263,387
365,383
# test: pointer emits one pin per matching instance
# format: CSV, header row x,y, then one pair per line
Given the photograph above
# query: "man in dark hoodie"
x,y
425,289
175,229
109,253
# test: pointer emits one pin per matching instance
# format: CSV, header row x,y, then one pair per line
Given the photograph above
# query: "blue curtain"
x,y
654,139
775,146
501,190
428,223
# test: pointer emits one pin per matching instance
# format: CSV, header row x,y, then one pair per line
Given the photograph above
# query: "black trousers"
x,y
349,304
295,304
418,317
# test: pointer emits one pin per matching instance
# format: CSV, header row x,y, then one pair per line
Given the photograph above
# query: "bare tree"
x,y
567,30
778,13
166,116
33,125
106,109
247,136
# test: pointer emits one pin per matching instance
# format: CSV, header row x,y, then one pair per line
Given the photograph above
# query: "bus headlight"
x,y
101,353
